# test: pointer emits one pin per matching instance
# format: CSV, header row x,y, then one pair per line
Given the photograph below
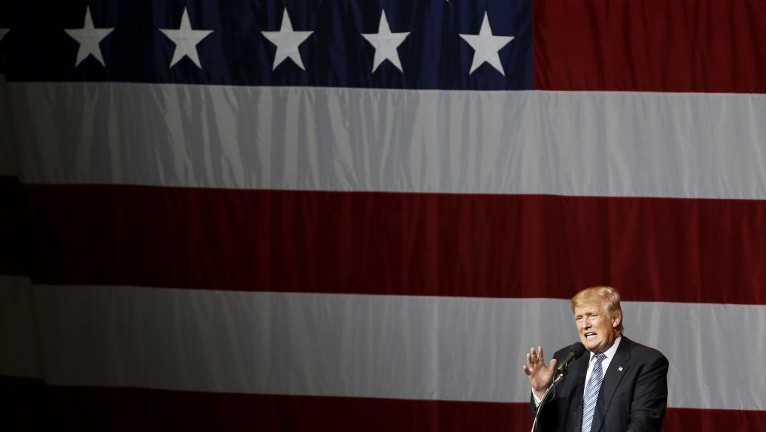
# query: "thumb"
x,y
553,364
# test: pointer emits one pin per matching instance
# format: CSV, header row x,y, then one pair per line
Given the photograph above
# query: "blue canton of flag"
x,y
433,44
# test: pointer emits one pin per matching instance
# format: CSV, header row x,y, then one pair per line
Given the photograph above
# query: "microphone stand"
x,y
545,395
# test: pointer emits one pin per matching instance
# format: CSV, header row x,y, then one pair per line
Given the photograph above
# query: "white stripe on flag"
x,y
19,342
427,348
530,142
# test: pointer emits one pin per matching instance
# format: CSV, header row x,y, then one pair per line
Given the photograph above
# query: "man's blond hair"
x,y
606,295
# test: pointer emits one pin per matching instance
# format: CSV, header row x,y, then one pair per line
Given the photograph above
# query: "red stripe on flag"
x,y
13,243
650,45
680,250
687,419
31,405
24,404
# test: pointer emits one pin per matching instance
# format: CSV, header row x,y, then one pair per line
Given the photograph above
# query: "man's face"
x,y
595,327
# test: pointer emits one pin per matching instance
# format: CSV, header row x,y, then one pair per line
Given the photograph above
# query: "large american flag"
x,y
358,215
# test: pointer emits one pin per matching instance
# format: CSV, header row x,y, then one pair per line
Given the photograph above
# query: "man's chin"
x,y
591,345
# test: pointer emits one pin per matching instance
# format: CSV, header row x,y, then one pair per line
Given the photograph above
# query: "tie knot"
x,y
600,357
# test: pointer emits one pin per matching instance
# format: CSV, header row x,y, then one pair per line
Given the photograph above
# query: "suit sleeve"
x,y
549,416
650,397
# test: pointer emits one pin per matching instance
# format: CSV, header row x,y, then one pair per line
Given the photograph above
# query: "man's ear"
x,y
616,319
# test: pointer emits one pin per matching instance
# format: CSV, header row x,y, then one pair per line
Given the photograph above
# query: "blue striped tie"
x,y
591,393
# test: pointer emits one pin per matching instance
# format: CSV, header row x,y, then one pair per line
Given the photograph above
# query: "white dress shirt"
x,y
604,363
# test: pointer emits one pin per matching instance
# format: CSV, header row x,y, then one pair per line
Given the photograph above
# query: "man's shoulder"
x,y
642,351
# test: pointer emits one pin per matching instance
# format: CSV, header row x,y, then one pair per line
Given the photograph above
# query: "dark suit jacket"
x,y
633,396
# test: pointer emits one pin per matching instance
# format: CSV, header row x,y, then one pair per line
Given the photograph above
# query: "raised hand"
x,y
537,371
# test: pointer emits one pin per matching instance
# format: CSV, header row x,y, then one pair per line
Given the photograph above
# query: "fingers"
x,y
536,356
534,361
529,363
528,368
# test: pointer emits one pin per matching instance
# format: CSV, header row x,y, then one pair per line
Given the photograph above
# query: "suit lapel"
x,y
618,367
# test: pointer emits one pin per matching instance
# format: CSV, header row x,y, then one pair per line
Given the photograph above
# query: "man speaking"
x,y
613,385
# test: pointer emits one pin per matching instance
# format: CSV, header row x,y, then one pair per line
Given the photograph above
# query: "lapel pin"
x,y
619,368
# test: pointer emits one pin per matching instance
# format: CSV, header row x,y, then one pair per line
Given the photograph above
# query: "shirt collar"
x,y
612,349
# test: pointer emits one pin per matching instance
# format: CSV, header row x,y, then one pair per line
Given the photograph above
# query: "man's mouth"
x,y
590,335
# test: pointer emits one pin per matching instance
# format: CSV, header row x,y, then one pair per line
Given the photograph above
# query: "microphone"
x,y
575,351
